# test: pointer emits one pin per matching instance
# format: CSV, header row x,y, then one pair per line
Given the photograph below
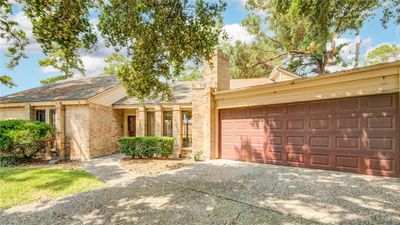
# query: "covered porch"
x,y
169,120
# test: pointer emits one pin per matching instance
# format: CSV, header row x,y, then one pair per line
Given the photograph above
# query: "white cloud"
x,y
93,65
237,32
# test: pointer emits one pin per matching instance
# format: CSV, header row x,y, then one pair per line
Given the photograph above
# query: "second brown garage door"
x,y
350,134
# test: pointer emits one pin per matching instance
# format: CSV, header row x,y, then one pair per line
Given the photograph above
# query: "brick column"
x,y
158,121
28,112
141,121
60,130
197,117
177,129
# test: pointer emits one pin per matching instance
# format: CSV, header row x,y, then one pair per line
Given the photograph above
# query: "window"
x,y
187,129
167,124
41,115
151,125
52,117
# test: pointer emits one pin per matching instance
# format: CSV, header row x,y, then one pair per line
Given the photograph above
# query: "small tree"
x,y
384,53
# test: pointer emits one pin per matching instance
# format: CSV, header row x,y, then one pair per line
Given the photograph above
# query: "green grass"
x,y
19,186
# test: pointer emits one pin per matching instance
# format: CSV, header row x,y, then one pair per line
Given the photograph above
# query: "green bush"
x,y
20,138
197,155
6,161
141,147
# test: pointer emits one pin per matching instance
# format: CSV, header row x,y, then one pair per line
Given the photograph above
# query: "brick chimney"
x,y
216,72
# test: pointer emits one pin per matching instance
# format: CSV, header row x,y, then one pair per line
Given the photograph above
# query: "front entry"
x,y
132,126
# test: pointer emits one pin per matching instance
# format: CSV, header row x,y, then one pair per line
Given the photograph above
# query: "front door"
x,y
132,126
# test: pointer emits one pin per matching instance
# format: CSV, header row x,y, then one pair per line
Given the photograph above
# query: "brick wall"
x,y
106,126
12,113
77,132
216,75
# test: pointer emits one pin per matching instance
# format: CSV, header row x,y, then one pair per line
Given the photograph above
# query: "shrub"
x,y
197,155
6,161
20,138
146,146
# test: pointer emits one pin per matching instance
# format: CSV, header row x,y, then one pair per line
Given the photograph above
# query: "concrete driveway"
x,y
226,192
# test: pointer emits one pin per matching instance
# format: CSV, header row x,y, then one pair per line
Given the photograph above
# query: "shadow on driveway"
x,y
227,192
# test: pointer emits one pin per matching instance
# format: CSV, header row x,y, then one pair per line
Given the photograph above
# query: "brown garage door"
x,y
350,134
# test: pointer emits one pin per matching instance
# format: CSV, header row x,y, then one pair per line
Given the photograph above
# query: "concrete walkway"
x,y
222,192
108,169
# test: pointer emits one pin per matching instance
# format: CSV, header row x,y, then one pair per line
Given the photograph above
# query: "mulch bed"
x,y
37,163
145,167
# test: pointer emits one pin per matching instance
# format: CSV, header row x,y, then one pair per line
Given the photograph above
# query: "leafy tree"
x,y
53,79
191,72
391,11
15,38
114,61
244,56
384,53
305,33
160,37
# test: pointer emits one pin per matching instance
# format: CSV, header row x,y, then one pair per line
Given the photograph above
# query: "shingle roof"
x,y
71,89
183,91
182,94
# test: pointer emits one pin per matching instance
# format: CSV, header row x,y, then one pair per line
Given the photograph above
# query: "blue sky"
x,y
28,74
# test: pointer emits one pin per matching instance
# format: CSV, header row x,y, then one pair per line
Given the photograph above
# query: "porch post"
x,y
177,129
158,121
47,114
60,129
28,112
141,121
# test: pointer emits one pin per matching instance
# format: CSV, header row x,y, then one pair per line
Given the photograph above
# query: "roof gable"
x,y
71,89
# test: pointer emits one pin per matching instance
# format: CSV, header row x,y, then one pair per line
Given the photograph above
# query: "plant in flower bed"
x,y
146,147
23,140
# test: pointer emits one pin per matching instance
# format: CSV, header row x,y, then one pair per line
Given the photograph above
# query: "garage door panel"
x,y
319,107
352,134
275,110
296,109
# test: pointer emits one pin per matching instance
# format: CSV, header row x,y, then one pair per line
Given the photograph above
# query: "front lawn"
x,y
19,186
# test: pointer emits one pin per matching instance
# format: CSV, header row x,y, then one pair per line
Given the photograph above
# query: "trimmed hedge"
x,y
24,139
141,147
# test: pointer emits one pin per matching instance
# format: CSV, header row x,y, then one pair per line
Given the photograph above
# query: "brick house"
x,y
345,121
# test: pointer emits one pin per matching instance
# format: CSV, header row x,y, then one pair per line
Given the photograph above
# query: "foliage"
x,y
6,161
197,154
24,138
62,28
192,72
306,33
6,81
244,56
384,53
114,61
146,146
159,37
391,11
20,186
53,79
15,37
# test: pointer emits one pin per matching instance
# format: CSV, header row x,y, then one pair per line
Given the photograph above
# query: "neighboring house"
x,y
345,121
